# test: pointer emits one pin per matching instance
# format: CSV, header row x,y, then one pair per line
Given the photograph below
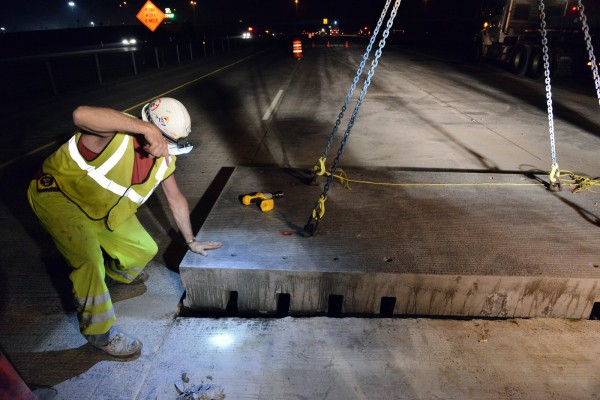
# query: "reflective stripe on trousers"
x,y
81,240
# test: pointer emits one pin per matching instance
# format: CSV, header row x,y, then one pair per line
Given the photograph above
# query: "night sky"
x,y
57,14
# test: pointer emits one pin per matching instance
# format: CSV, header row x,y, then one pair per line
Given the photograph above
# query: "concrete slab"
x,y
437,243
351,358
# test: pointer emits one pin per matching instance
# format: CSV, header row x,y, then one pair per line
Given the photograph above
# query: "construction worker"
x,y
86,197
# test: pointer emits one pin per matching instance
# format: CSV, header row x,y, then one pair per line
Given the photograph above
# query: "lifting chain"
x,y
319,209
590,48
320,169
555,172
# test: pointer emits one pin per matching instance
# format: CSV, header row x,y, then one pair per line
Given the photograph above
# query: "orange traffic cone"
x,y
297,48
328,43
346,44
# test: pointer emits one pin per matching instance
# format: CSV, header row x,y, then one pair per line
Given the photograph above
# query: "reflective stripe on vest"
x,y
99,174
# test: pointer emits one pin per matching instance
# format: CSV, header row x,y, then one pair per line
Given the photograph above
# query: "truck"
x,y
514,37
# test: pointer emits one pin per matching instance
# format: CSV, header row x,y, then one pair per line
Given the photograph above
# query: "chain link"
x,y
356,78
547,81
363,92
590,48
319,208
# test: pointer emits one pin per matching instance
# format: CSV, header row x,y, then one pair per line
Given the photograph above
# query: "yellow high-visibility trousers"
x,y
83,242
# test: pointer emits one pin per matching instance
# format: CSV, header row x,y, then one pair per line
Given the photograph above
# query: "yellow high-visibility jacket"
x,y
102,187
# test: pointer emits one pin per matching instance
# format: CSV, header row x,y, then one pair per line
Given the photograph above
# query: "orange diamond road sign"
x,y
151,16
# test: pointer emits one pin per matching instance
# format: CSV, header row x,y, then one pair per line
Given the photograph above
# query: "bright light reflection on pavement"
x,y
222,340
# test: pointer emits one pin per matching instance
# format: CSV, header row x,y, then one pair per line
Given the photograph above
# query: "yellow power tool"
x,y
264,200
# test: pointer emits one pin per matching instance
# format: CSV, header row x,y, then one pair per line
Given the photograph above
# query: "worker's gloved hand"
x,y
200,247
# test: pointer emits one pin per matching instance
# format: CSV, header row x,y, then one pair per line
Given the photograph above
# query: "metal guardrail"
x,y
53,74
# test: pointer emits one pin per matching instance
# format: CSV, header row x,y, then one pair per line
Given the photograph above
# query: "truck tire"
x,y
518,59
535,67
476,53
552,64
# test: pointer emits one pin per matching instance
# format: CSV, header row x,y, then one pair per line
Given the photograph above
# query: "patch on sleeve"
x,y
46,183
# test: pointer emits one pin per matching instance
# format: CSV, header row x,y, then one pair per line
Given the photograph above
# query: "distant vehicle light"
x,y
127,42
364,32
246,35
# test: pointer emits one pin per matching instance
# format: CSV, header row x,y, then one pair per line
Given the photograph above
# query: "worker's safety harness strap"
x,y
319,209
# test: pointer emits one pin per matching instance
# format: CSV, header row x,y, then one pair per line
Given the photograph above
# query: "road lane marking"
x,y
57,141
273,105
195,80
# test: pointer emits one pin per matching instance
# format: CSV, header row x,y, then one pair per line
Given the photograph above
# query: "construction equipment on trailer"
x,y
514,37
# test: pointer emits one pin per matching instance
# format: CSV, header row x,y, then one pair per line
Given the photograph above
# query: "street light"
x,y
122,7
193,4
72,5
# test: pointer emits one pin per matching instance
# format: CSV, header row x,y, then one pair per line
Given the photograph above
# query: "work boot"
x,y
141,278
115,343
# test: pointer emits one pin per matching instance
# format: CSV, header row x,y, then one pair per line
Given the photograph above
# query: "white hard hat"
x,y
173,121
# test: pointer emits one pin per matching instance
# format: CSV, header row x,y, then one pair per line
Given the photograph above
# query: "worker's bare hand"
x,y
156,145
201,247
